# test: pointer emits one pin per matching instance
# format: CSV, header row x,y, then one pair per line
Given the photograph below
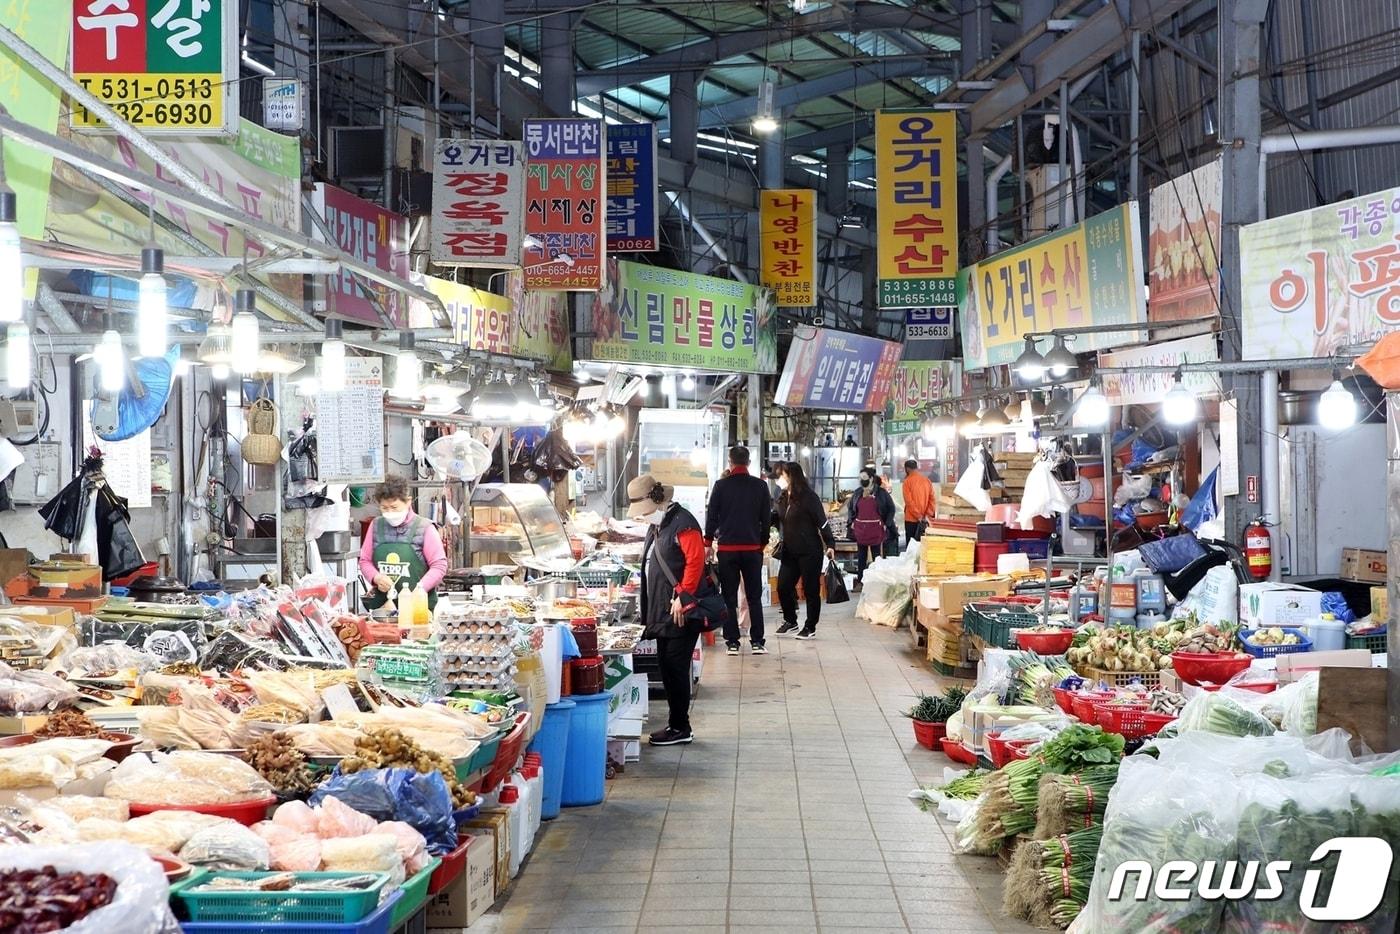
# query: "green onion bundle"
x,y
1073,802
1048,881
966,786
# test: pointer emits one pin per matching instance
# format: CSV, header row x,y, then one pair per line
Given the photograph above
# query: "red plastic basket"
x,y
246,813
1044,643
1215,667
450,869
1082,704
958,752
1003,751
1153,722
929,734
1064,698
507,753
1123,719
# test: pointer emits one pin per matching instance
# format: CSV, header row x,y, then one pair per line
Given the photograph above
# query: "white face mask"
x,y
395,519
655,517
782,483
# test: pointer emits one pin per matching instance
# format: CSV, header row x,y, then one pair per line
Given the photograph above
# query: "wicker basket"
x,y
261,444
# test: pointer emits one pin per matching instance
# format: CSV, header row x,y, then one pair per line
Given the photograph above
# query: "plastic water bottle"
x,y
1328,633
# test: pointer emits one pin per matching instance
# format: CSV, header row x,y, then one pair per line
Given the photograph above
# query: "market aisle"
x,y
789,812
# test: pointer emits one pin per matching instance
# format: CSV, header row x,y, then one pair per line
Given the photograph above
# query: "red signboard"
x,y
373,235
565,204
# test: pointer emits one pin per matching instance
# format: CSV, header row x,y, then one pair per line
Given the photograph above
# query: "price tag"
x,y
339,701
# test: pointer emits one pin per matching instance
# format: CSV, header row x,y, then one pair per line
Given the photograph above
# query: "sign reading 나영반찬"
x,y
916,385
788,240
916,180
162,65
665,317
478,194
1320,280
1087,274
565,203
829,369
632,205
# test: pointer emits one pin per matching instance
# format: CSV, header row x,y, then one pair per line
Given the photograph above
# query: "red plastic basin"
x,y
1215,667
1044,643
246,813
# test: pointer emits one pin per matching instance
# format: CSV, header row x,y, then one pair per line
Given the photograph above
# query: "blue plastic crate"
x,y
1034,548
376,923
1304,644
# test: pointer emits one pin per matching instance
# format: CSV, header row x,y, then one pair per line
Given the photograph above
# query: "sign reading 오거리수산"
x,y
1320,280
162,65
478,201
916,385
1083,275
788,245
916,181
565,203
666,317
632,198
829,369
373,235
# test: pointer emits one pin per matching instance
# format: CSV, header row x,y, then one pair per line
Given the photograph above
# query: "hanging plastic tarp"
x,y
1203,506
140,402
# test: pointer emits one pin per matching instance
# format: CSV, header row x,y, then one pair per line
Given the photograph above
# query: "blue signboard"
x,y
928,324
632,207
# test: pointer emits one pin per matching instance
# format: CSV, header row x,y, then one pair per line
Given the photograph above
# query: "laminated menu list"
x,y
350,425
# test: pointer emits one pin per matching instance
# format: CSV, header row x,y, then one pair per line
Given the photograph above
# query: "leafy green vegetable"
x,y
931,708
1079,747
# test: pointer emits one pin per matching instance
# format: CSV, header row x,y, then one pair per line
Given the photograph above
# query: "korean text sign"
x,y
918,384
1183,245
478,202
666,317
167,65
481,320
372,235
1087,274
788,231
1320,280
916,177
829,369
632,201
1142,386
565,204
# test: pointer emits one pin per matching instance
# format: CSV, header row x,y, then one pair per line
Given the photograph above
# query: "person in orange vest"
x,y
919,502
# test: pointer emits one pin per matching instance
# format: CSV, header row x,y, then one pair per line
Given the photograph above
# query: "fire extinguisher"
x,y
1258,550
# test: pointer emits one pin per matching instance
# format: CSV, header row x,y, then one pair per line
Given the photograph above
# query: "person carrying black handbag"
x,y
807,538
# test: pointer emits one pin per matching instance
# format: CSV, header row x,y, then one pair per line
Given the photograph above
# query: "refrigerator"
x,y
1333,496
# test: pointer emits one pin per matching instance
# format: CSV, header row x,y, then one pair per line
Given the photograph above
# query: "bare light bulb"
x,y
111,362
18,370
333,357
1336,407
11,260
153,306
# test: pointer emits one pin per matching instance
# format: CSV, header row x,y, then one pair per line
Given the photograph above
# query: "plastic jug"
x,y
1151,592
422,615
517,822
1149,619
403,602
527,798
1327,633
1083,600
1121,598
532,770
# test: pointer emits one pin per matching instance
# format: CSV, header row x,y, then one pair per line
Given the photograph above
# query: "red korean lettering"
x,y
1379,268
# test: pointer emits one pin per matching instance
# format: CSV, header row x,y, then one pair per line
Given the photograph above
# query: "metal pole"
x,y
1064,186
1108,507
994,204
1134,118
390,128
1269,455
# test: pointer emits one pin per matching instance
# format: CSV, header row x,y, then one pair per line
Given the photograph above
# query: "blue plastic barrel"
x,y
551,742
586,758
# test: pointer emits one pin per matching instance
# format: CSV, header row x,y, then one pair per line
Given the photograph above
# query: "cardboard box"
x,y
943,646
1361,564
1270,604
62,578
957,592
61,616
13,726
1380,604
466,899
1291,668
495,821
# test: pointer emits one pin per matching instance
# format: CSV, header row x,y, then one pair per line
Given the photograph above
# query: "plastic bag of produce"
x,y
1294,706
24,692
140,904
375,852
186,778
335,819
412,847
296,816
1216,712
228,845
421,800
1216,599
289,851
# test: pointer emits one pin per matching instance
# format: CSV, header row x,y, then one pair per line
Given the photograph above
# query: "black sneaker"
x,y
732,648
756,648
807,633
670,737
786,628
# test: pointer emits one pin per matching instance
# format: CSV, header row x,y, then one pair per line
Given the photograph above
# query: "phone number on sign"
x,y
155,101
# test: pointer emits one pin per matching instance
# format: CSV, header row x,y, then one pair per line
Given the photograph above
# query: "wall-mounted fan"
x,y
116,417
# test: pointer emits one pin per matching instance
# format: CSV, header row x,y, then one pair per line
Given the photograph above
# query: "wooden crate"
x,y
1148,679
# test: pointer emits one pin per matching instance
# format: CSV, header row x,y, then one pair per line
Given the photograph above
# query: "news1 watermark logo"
x,y
1358,882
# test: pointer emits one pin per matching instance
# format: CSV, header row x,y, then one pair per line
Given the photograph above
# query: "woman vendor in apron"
x,y
401,549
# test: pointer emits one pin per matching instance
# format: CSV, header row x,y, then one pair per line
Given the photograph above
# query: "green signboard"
x,y
918,384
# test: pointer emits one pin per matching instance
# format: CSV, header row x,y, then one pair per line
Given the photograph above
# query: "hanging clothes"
x,y
90,514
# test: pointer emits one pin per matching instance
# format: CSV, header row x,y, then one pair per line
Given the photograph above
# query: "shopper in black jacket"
x,y
736,523
806,538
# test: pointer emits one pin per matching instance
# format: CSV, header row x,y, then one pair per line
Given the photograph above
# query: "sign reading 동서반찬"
x,y
565,203
829,369
1320,280
666,317
1083,275
788,245
478,198
916,385
916,181
162,65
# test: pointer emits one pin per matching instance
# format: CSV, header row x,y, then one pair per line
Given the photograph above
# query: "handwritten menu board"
x,y
125,464
350,425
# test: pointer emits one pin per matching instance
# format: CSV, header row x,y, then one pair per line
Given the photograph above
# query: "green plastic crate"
x,y
1373,643
993,625
279,907
415,893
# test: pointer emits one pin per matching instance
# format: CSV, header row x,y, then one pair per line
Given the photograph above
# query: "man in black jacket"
x,y
736,520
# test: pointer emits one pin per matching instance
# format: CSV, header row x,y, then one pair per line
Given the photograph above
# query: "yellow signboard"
x,y
916,180
788,228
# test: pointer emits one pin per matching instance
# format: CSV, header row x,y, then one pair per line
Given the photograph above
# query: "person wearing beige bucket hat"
x,y
673,565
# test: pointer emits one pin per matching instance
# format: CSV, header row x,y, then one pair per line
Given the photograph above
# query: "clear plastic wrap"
x,y
228,845
376,852
24,692
52,762
141,903
187,778
336,819
413,848
76,807
1225,712
113,656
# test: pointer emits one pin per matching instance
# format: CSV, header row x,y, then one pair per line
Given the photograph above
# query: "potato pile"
x,y
388,748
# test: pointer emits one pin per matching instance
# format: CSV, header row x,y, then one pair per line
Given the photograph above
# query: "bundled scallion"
x,y
1048,881
1068,803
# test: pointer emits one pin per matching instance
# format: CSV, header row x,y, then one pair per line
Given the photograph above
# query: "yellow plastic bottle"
x,y
405,607
422,616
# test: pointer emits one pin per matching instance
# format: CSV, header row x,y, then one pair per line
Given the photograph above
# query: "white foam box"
x,y
1292,667
626,728
1270,604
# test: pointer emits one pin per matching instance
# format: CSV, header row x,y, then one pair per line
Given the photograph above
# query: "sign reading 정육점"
x,y
788,231
565,203
916,177
478,192
632,204
829,369
162,65
928,324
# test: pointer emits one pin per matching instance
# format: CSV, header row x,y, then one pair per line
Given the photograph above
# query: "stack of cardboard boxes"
x,y
951,651
1014,469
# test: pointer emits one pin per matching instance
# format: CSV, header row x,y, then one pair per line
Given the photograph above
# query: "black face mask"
x,y
865,482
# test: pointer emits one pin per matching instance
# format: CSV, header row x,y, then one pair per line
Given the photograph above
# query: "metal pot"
x,y
549,589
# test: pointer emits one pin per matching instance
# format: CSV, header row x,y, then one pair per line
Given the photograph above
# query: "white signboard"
x,y
1227,483
350,425
282,104
478,202
1148,388
125,464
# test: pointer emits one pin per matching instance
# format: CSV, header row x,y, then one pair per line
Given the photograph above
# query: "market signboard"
x,y
162,65
918,384
829,369
916,181
632,195
928,324
666,317
31,100
374,236
787,222
478,202
1148,388
565,203
481,320
542,332
1320,280
1183,246
1083,275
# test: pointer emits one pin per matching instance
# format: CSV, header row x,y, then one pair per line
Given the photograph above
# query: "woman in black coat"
x,y
806,538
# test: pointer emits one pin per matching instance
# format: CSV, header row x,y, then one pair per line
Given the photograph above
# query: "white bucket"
x,y
1327,635
552,654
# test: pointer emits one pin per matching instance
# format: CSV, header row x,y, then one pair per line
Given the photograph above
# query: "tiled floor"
x,y
788,813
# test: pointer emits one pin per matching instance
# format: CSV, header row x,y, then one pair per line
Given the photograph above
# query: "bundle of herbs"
x,y
1079,747
1033,678
935,708
1048,881
1068,803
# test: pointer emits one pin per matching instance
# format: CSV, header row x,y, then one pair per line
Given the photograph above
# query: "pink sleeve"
x,y
435,556
367,565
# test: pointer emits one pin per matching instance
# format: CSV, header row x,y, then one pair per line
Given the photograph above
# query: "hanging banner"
x,y
32,100
167,66
1083,275
1148,388
530,325
829,369
543,325
565,204
917,384
632,196
481,320
928,324
373,235
665,317
1320,280
916,180
787,223
1183,246
478,202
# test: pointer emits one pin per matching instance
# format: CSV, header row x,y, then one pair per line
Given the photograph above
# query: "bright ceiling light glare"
x,y
765,119
111,362
1179,404
944,427
698,456
688,384
152,308
408,371
1030,365
11,258
333,357
928,430
244,349
1093,406
1336,407
1060,361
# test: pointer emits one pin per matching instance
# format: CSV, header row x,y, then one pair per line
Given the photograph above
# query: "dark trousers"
x,y
732,568
673,657
808,569
865,555
913,531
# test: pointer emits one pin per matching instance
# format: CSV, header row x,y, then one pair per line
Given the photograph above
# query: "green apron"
x,y
398,555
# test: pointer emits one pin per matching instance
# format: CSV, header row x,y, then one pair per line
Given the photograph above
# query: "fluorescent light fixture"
x,y
1179,404
1336,407
11,259
19,371
333,357
407,369
152,309
243,345
111,362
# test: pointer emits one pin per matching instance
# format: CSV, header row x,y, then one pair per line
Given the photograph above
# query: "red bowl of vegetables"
x,y
1044,642
1213,667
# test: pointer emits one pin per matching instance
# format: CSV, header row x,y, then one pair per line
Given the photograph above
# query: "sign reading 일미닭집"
x,y
788,245
916,180
632,197
565,203
478,202
163,65
829,369
372,235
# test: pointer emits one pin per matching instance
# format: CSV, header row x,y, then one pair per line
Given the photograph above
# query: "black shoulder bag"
x,y
710,611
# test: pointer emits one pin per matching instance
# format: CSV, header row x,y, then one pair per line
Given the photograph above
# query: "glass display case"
x,y
514,522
